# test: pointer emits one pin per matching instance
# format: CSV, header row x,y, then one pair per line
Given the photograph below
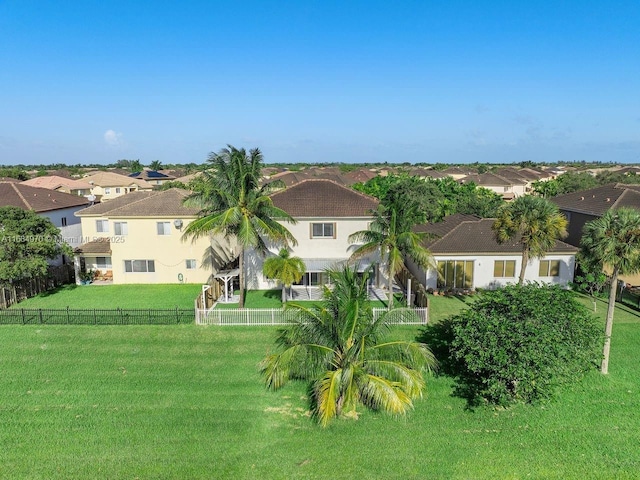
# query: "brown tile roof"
x,y
440,229
487,180
167,203
323,198
37,199
477,237
101,245
596,201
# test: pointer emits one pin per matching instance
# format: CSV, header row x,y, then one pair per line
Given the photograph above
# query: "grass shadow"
x,y
53,291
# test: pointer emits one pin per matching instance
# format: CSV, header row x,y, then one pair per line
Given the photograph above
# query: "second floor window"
x,y
117,189
164,228
107,191
102,226
323,230
120,228
191,264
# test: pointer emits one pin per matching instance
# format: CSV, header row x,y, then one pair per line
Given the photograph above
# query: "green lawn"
x,y
186,402
114,296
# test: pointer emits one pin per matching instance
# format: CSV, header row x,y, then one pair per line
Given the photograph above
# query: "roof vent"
x,y
581,198
608,199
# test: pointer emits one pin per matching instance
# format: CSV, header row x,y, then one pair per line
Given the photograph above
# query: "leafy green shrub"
x,y
518,343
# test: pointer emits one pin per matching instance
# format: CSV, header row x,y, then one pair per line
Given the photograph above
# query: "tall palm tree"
x,y
342,351
394,239
233,204
613,240
534,222
285,268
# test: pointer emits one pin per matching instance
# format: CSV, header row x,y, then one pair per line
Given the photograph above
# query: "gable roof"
x,y
37,199
596,201
167,203
487,180
323,198
110,179
476,236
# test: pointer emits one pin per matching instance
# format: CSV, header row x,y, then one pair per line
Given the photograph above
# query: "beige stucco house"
x,y
108,185
138,238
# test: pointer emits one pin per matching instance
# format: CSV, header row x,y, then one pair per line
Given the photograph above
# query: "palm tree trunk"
x,y
523,267
604,368
242,278
390,303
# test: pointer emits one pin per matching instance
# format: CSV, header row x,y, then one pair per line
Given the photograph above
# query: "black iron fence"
x,y
96,316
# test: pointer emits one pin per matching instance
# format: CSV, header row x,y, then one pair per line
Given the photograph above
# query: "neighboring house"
x,y
138,239
467,256
508,189
108,185
587,205
59,207
326,213
153,177
60,184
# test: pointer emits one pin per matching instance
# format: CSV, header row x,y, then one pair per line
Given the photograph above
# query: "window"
x,y
117,189
120,228
549,268
504,268
164,228
63,221
103,262
137,266
323,230
107,191
191,264
455,274
102,226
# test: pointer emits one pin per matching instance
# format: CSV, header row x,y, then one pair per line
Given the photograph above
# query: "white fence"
x,y
279,316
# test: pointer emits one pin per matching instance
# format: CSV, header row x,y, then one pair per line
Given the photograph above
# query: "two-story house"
x,y
327,213
108,185
138,238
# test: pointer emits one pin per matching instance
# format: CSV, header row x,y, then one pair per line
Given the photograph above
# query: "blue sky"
x,y
312,81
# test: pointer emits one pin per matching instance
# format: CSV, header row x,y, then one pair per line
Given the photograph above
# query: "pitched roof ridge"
x,y
144,197
316,179
15,187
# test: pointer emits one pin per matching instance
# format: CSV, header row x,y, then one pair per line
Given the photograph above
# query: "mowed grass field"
x,y
116,296
182,402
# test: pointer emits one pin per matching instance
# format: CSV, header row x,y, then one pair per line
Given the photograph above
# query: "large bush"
x,y
518,344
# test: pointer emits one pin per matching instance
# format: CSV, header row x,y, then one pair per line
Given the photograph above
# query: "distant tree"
x,y
14,172
343,352
546,188
613,240
156,165
570,182
285,268
535,222
27,242
173,184
136,166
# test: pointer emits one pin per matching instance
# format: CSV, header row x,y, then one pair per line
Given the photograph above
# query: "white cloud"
x,y
113,138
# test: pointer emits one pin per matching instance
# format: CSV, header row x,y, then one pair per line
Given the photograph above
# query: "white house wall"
x,y
308,248
483,270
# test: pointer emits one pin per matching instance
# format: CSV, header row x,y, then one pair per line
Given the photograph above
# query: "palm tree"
x,y
233,204
155,165
534,222
285,268
340,348
394,239
613,240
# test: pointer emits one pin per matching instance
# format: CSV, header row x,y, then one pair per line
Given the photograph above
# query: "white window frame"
x,y
325,226
190,264
166,228
120,228
117,189
135,266
547,273
107,190
102,226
